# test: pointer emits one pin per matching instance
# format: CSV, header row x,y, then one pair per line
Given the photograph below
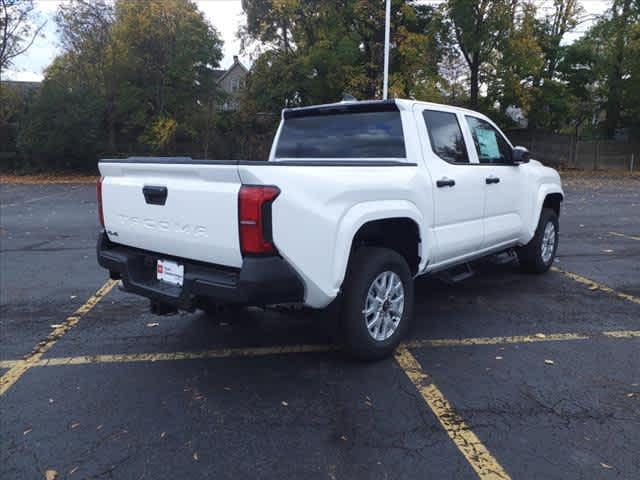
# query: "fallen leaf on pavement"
x,y
50,475
153,324
549,362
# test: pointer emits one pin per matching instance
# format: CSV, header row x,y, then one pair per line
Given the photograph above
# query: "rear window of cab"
x,y
370,135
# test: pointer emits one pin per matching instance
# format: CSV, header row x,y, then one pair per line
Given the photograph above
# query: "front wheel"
x,y
538,255
378,302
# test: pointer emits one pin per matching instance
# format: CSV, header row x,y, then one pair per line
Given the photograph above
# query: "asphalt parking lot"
x,y
504,375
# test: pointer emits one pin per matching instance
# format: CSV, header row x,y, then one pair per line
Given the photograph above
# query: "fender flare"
x,y
365,212
543,191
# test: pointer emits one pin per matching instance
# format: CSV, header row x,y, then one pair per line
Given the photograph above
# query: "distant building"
x,y
232,81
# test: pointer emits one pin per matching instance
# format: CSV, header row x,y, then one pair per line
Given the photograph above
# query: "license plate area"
x,y
170,272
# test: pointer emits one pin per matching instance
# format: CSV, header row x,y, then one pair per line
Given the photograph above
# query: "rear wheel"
x,y
538,255
378,302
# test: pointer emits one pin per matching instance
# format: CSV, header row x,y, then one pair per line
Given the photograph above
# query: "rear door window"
x,y
445,135
343,135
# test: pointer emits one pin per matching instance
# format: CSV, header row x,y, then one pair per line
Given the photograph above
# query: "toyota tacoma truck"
x,y
355,201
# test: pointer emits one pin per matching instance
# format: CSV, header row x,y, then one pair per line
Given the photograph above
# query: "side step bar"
x,y
462,272
457,274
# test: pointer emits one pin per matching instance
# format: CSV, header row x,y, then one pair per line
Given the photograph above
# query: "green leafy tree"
x,y
552,104
517,65
86,34
137,73
602,69
63,128
314,51
624,17
166,54
480,28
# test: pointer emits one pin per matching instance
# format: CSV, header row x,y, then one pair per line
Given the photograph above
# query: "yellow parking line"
x,y
480,459
21,366
292,349
205,354
460,342
8,363
617,234
593,285
623,334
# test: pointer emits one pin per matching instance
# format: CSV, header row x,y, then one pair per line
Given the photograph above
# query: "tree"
x,y
134,74
602,68
63,128
313,51
551,30
512,83
17,30
86,34
621,18
166,55
480,26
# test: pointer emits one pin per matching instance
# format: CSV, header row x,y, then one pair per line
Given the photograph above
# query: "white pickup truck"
x,y
356,200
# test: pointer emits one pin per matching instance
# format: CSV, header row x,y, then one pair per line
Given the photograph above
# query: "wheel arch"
x,y
390,224
548,196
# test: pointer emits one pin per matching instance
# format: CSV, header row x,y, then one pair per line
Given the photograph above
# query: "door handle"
x,y
492,179
445,182
155,195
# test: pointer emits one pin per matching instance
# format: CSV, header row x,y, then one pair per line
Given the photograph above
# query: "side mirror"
x,y
521,155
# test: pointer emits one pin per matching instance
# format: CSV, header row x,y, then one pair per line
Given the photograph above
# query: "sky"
x,y
225,15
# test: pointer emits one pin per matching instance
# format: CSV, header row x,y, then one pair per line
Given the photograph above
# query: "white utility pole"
x,y
387,27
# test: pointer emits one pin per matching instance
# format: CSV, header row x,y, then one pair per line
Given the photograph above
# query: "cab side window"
x,y
445,135
490,144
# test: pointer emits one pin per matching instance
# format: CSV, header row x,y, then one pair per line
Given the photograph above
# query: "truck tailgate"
x,y
185,210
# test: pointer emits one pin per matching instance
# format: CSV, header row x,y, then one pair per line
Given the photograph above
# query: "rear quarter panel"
x,y
320,208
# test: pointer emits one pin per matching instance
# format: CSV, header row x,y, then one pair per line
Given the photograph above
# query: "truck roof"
x,y
368,105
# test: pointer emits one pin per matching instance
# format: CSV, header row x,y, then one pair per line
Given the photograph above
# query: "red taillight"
x,y
255,229
99,198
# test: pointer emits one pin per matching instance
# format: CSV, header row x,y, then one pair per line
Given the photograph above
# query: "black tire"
x,y
530,256
365,265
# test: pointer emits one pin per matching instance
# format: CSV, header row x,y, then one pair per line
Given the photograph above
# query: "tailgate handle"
x,y
155,195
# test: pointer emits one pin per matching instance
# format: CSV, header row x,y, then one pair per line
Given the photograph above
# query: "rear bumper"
x,y
260,281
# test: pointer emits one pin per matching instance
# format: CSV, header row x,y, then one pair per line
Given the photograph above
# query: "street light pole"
x,y
387,26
